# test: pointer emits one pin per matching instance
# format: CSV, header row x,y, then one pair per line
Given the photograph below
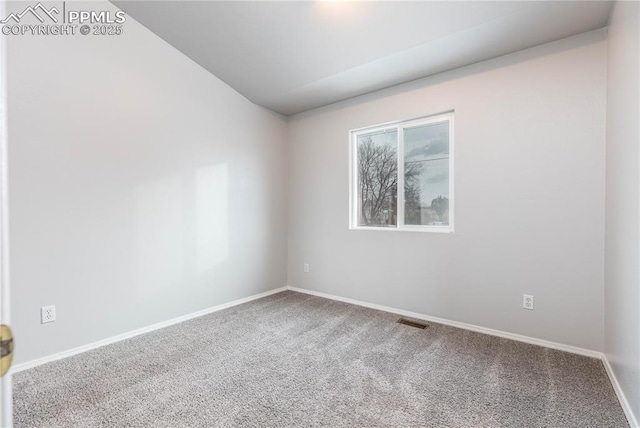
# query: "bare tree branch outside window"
x,y
426,168
378,183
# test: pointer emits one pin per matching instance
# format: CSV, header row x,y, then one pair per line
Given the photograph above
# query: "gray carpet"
x,y
292,360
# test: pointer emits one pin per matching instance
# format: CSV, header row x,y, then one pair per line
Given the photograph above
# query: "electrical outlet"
x,y
527,301
47,314
305,267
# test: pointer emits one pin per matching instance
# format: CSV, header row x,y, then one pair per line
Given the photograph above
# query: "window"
x,y
401,175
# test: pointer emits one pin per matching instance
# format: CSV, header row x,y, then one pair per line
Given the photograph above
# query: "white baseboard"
x,y
465,326
633,422
499,333
143,330
631,418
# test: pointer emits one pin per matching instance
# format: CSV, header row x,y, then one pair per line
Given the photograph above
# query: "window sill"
x,y
423,229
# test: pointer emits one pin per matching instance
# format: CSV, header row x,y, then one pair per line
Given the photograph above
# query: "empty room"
x,y
320,214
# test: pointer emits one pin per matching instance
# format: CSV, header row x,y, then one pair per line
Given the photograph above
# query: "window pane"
x,y
378,179
426,175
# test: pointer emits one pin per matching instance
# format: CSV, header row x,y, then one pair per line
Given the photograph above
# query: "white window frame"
x,y
400,126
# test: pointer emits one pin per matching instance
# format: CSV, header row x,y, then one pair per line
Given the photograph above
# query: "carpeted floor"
x,y
293,360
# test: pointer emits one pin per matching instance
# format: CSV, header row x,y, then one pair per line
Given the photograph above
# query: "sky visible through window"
x,y
425,181
429,145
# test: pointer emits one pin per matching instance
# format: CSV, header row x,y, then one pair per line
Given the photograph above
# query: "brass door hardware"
x,y
6,349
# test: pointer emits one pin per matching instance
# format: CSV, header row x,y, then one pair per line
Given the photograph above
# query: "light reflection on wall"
x,y
160,234
176,217
212,216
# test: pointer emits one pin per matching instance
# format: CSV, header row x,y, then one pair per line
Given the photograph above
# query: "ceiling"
x,y
295,56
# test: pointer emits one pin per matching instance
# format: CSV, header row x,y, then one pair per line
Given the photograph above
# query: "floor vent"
x,y
416,324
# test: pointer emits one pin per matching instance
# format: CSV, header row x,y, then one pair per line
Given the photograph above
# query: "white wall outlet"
x,y
527,301
305,267
47,314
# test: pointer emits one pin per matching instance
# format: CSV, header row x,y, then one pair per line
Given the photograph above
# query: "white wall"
x,y
529,186
622,258
142,187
